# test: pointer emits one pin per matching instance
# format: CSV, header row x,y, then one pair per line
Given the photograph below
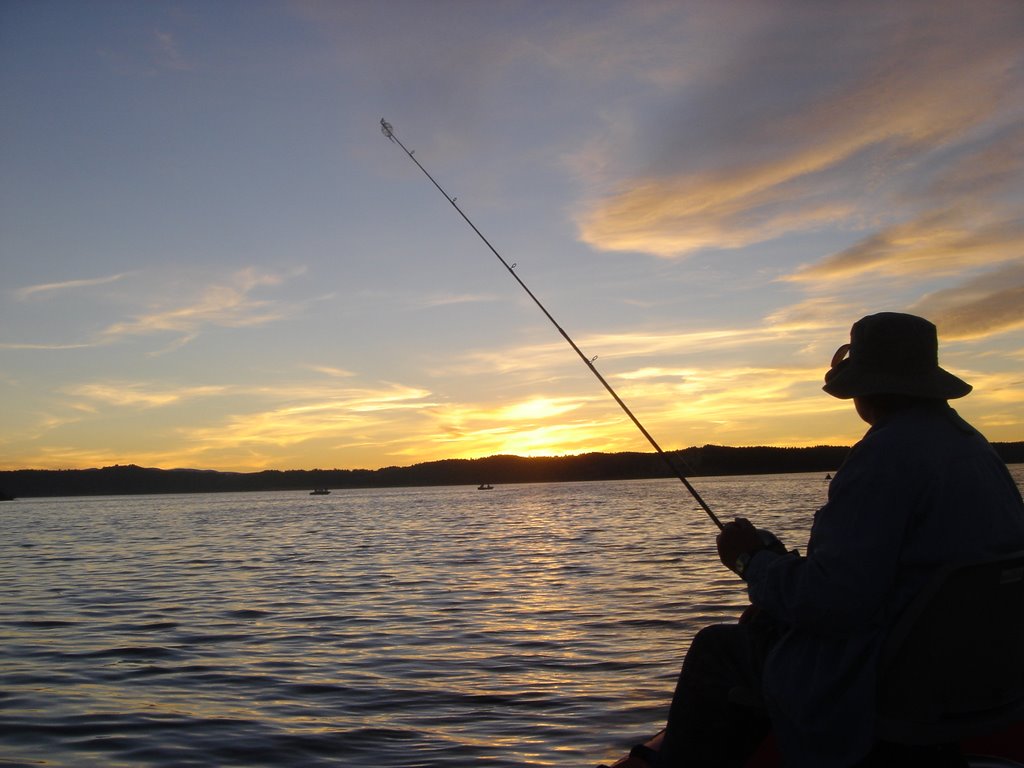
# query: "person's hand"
x,y
771,542
737,538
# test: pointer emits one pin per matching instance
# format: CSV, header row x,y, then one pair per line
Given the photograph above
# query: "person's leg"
x,y
707,726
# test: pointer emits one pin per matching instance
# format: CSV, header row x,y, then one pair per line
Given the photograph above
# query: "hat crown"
x,y
890,342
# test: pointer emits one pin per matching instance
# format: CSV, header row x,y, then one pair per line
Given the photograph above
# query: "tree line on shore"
x,y
708,460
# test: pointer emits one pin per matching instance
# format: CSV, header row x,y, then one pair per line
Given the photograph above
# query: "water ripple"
x,y
537,625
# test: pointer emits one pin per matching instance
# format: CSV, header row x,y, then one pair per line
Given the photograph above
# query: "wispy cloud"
x,y
814,314
941,243
338,373
333,413
67,285
679,406
849,139
990,303
620,348
449,300
42,346
981,268
182,307
677,216
147,395
227,304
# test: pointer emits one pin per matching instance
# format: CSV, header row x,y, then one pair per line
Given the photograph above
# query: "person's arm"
x,y
852,557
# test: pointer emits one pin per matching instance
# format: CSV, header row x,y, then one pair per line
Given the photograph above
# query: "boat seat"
x,y
953,666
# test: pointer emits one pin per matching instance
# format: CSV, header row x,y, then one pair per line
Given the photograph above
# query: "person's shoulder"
x,y
927,438
922,423
906,438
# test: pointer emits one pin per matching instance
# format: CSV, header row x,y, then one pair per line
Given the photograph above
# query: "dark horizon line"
x,y
1010,446
1006,446
505,469
493,456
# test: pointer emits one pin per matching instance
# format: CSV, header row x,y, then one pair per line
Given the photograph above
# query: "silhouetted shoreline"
x,y
709,460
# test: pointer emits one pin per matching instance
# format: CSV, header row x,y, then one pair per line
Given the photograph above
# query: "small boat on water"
x,y
319,492
483,487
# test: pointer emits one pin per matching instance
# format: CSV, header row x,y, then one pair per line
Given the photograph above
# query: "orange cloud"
x,y
990,303
938,244
139,394
849,148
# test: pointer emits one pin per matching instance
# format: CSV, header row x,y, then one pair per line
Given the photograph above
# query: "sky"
x,y
211,257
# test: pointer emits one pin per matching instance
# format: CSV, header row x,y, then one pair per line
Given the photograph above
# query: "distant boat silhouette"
x,y
319,492
828,476
483,487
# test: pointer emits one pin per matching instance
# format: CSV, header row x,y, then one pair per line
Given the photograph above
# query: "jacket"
x,y
922,489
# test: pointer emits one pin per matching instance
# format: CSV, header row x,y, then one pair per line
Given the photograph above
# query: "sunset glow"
x,y
212,258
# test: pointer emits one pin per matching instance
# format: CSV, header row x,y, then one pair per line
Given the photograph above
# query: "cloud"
x,y
813,314
990,165
340,373
29,345
833,120
296,398
257,428
449,300
988,304
68,285
228,304
183,306
681,215
940,243
680,406
147,395
626,346
326,413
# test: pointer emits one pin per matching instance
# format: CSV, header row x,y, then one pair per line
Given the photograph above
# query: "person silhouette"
x,y
922,489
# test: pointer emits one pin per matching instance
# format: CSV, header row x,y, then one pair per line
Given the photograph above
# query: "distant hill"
x,y
693,462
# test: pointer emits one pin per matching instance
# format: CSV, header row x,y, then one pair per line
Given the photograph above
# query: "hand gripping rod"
x,y
389,131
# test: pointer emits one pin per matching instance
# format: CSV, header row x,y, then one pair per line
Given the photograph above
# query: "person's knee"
x,y
709,647
713,636
721,654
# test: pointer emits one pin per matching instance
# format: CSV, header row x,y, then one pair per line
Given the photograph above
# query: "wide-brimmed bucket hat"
x,y
892,353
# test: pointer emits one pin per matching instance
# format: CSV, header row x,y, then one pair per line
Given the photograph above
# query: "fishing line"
x,y
389,131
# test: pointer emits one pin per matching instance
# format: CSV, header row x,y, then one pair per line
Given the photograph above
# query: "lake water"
x,y
530,625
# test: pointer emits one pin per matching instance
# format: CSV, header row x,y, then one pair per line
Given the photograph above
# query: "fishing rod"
x,y
387,129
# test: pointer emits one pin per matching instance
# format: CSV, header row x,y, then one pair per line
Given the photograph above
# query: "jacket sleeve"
x,y
852,554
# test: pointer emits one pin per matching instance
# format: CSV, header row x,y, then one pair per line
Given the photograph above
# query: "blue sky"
x,y
212,258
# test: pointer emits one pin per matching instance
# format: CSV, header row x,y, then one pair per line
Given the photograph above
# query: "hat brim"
x,y
848,380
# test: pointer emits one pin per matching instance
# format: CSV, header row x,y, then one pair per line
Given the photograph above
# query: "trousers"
x,y
716,720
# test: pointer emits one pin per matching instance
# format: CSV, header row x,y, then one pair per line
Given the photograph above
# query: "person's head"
x,y
891,362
